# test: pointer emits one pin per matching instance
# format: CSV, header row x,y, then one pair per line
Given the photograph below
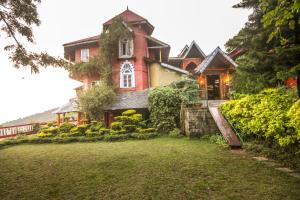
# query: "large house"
x,y
144,63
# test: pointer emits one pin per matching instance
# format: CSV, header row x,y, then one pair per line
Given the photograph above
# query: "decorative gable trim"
x,y
200,68
197,47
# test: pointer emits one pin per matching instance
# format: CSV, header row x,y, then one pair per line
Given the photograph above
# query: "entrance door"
x,y
213,87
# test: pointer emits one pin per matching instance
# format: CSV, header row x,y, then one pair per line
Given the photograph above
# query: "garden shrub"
x,y
130,128
128,112
90,133
175,133
164,106
111,138
79,130
52,130
143,136
268,116
66,127
44,135
116,126
117,132
104,131
146,130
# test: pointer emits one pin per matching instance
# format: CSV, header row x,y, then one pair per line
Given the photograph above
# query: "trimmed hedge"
x,y
63,140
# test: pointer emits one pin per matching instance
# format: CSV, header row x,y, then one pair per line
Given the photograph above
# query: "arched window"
x,y
127,79
191,66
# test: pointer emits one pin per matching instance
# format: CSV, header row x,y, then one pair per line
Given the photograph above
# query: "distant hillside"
x,y
46,116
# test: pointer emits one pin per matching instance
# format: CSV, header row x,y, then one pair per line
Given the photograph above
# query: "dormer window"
x,y
84,55
127,79
125,48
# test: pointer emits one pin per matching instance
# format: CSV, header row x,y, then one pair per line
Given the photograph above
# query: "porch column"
x,y
78,118
58,119
64,116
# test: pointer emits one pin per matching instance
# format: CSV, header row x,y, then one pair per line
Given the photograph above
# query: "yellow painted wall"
x,y
161,76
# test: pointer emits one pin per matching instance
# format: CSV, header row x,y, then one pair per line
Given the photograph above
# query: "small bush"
x,y
143,136
45,135
116,126
66,127
146,130
128,112
118,132
176,133
52,130
104,131
130,128
90,133
110,138
219,140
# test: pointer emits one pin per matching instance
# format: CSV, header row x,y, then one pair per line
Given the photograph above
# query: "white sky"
x,y
209,22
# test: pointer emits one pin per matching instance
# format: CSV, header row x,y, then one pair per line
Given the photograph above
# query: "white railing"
x,y
14,130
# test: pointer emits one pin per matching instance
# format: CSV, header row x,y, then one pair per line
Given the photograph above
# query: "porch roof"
x,y
200,68
71,106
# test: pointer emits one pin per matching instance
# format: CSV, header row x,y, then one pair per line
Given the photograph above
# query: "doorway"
x,y
213,87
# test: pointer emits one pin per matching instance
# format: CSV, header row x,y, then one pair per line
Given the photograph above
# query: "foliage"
x,y
45,135
66,127
176,133
128,112
143,136
116,126
94,100
270,43
146,130
219,140
103,62
268,115
164,106
17,18
189,90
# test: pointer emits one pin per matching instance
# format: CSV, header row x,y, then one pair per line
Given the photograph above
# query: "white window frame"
x,y
84,55
128,42
127,75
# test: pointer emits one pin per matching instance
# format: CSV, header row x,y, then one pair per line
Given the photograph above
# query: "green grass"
x,y
162,168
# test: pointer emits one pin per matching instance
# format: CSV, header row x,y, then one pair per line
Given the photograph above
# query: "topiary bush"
x,y
66,127
116,126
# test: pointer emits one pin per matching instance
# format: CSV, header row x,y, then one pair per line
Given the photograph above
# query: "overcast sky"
x,y
177,22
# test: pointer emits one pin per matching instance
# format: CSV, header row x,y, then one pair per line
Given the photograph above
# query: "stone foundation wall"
x,y
197,121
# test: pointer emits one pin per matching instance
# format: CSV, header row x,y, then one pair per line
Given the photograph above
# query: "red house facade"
x,y
144,62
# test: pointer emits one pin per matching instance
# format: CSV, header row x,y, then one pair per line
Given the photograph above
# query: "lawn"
x,y
161,168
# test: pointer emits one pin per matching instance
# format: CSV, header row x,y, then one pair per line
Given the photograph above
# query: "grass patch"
x,y
162,168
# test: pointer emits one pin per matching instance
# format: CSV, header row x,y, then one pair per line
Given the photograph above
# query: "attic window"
x,y
84,55
125,48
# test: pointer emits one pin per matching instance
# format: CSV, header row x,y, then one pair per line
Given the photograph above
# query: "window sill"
x,y
126,58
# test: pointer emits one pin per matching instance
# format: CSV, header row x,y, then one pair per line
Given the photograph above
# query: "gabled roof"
x,y
183,51
92,39
131,17
194,45
200,68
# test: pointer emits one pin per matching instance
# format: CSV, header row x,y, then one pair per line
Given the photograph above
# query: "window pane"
x,y
125,81
129,81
